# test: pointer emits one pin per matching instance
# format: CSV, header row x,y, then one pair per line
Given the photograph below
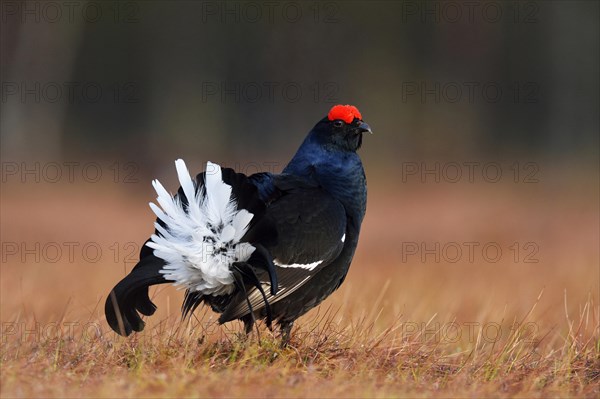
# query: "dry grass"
x,y
399,326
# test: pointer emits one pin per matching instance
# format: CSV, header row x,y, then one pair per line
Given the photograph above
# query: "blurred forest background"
x,y
150,81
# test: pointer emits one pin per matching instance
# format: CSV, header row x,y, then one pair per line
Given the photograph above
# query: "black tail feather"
x,y
239,281
245,275
250,276
130,296
191,301
263,259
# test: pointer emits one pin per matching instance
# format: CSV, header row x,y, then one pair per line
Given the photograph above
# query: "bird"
x,y
265,246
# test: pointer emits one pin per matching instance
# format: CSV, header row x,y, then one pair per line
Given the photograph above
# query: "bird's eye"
x,y
338,123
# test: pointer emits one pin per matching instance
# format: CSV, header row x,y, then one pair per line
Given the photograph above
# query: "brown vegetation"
x,y
402,324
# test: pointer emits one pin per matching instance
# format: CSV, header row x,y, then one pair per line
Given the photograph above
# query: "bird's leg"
x,y
286,329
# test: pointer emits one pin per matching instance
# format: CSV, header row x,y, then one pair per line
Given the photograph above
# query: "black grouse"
x,y
266,246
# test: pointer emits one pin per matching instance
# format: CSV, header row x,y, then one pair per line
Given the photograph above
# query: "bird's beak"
x,y
363,127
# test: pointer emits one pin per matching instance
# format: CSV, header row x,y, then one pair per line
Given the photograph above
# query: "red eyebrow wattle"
x,y
347,113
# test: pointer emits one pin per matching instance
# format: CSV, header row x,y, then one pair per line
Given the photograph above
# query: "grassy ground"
x,y
404,323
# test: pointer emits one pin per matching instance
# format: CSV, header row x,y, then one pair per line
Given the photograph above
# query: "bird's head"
x,y
342,128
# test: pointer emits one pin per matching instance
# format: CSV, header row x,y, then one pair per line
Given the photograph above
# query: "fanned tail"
x,y
200,239
204,235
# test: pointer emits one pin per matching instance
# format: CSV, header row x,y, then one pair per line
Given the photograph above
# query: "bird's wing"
x,y
311,227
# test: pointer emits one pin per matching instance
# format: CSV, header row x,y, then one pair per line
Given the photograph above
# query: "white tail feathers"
x,y
201,240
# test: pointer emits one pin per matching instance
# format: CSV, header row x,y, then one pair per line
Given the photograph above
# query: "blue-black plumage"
x,y
265,246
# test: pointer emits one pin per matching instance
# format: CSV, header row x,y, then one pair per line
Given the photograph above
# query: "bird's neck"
x,y
339,172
